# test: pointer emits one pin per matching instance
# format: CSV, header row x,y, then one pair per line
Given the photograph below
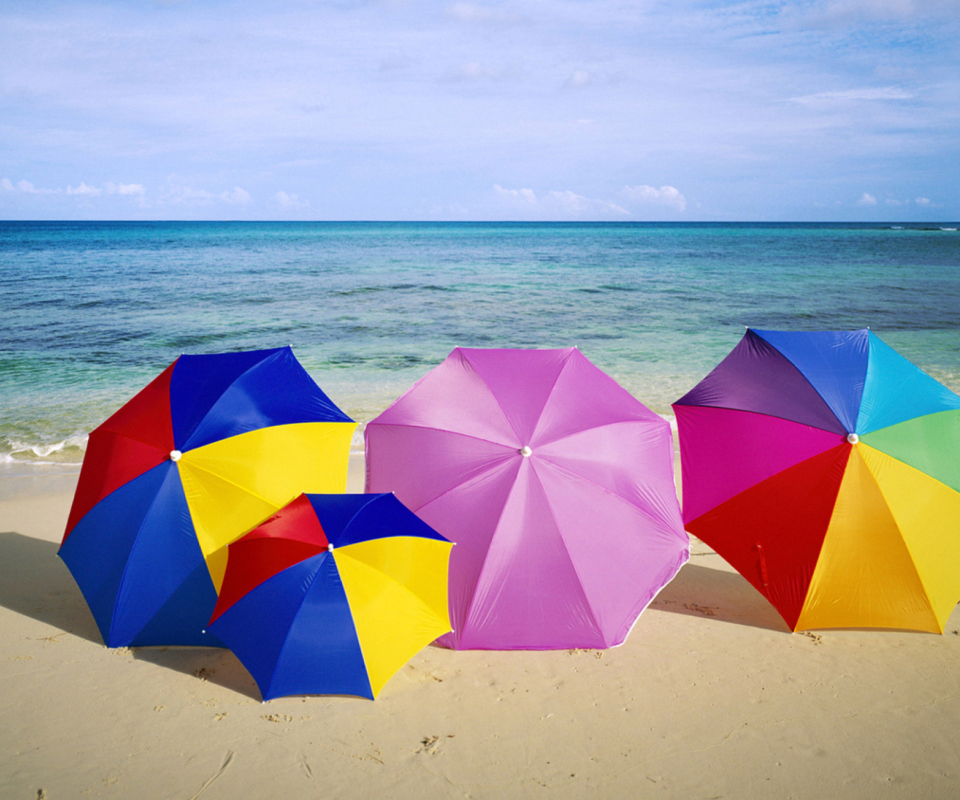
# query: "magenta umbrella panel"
x,y
556,485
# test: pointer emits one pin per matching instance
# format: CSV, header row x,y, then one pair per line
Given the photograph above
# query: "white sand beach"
x,y
710,697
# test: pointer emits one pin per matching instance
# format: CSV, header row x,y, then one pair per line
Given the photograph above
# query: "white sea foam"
x,y
66,451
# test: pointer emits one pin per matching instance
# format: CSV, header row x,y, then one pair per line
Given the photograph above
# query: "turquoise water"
x,y
93,311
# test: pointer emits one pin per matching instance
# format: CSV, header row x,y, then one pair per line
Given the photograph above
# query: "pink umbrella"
x,y
556,485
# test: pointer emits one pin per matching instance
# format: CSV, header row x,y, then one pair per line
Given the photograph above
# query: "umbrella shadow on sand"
x,y
720,595
34,582
37,584
215,665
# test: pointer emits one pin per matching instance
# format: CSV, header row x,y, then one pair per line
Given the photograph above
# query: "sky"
x,y
655,110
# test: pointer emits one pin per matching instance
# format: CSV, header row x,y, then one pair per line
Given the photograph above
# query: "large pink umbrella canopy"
x,y
555,483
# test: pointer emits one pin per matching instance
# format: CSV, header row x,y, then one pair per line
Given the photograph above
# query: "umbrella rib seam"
x,y
556,380
153,446
506,460
493,395
231,483
136,539
913,563
230,385
510,446
286,637
602,488
565,436
344,553
473,596
573,564
762,414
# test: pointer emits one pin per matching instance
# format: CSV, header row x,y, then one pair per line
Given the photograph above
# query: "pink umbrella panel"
x,y
556,485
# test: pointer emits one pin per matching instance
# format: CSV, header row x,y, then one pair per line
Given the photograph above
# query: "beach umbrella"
x,y
824,468
333,594
202,454
556,485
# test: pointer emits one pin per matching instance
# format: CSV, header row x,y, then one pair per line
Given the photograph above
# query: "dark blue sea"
x,y
93,311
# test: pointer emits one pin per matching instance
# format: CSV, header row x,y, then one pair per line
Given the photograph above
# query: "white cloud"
x,y
666,196
285,200
867,199
186,194
922,201
847,14
525,196
83,189
178,193
474,71
876,93
27,187
892,202
557,205
579,79
237,197
128,189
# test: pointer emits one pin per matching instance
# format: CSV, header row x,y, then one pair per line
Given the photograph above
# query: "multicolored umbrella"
x,y
333,594
556,485
824,468
207,450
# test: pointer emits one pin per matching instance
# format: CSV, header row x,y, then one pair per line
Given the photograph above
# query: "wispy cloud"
x,y
289,201
847,95
84,190
665,196
475,71
557,205
825,14
867,199
26,187
178,193
757,109
126,189
236,197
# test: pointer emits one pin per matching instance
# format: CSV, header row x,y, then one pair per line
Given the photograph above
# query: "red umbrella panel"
x,y
333,594
208,449
823,466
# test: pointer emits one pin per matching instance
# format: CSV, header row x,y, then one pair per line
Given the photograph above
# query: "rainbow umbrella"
x,y
556,484
333,594
824,468
207,450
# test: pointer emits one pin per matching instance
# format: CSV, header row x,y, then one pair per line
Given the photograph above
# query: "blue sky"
x,y
593,109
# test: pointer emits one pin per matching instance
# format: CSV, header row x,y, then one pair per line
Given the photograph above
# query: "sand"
x,y
710,697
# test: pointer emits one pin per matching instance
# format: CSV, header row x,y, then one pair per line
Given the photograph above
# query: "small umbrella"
x,y
555,483
207,450
333,594
823,467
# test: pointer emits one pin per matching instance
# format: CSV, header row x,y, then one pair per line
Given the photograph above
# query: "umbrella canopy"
x,y
555,483
207,450
333,594
823,467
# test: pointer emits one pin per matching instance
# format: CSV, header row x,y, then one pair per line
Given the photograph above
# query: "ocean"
x,y
93,311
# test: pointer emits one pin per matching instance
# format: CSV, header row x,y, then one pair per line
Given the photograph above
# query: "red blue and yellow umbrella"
x,y
333,594
202,454
824,468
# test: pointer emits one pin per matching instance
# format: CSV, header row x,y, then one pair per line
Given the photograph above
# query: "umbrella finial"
x,y
175,455
853,438
525,451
